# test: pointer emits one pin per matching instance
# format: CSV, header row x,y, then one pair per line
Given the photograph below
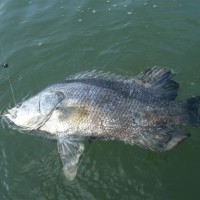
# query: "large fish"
x,y
138,110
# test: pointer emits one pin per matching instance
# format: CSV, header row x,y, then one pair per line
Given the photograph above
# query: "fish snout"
x,y
10,114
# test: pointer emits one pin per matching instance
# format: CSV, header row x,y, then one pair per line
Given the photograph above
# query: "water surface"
x,y
46,41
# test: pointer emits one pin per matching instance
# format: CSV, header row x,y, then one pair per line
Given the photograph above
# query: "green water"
x,y
46,41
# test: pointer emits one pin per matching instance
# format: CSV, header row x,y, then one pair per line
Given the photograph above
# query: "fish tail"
x,y
192,106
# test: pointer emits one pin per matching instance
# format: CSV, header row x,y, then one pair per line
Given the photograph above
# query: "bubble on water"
x,y
88,8
80,20
40,43
129,13
155,6
192,83
114,5
108,1
94,11
61,7
125,6
146,26
30,2
145,4
109,9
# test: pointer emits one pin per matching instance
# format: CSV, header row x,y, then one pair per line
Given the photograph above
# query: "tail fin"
x,y
160,139
193,104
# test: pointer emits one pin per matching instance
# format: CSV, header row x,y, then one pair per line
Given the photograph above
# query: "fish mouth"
x,y
7,117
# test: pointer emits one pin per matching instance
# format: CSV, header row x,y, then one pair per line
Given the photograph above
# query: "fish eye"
x,y
18,105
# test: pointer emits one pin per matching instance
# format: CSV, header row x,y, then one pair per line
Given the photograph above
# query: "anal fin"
x,y
159,139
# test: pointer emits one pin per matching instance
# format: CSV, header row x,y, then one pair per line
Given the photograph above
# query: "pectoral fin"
x,y
70,153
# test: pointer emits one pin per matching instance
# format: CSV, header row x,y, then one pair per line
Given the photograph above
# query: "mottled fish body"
x,y
139,110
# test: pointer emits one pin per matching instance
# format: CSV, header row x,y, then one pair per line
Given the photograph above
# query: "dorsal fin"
x,y
118,83
158,79
151,85
155,76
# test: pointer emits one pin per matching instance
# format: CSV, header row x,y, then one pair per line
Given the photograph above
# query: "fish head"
x,y
32,113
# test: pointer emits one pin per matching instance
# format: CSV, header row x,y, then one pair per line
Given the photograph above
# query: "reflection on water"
x,y
4,174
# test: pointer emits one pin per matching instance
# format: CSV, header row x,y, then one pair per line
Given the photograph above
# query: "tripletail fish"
x,y
140,110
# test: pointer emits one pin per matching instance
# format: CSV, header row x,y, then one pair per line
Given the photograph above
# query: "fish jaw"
x,y
10,118
14,121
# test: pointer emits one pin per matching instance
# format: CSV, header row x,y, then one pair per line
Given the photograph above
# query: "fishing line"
x,y
5,65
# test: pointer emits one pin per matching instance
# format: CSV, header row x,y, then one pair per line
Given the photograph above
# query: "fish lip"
x,y
12,113
7,117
